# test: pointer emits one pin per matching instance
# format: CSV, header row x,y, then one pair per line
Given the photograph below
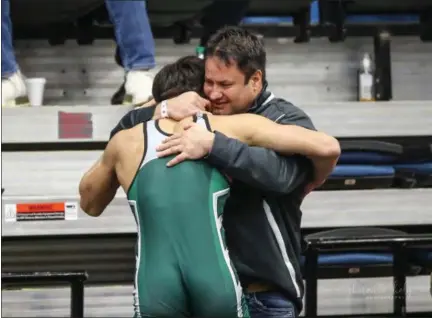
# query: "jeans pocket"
x,y
270,304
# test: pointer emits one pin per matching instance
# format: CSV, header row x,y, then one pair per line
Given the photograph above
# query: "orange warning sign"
x,y
41,211
40,207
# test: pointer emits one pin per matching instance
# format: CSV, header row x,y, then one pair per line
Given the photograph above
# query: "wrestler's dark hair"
x,y
185,74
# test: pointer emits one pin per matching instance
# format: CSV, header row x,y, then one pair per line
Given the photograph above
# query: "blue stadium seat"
x,y
276,11
364,164
413,175
389,7
359,157
357,252
422,257
353,259
278,7
415,153
362,171
357,258
421,167
349,177
414,167
337,13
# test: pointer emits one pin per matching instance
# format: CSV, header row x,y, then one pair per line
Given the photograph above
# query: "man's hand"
x,y
194,142
186,104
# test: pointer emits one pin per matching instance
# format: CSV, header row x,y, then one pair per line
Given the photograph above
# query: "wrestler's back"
x,y
180,237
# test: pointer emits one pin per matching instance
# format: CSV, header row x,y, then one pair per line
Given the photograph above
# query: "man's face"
x,y
225,87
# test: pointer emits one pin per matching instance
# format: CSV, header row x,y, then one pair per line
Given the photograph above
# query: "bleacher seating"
x,y
364,164
41,164
369,164
364,252
179,17
334,14
371,218
299,10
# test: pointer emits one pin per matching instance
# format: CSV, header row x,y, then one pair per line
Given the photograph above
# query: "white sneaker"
x,y
138,87
14,91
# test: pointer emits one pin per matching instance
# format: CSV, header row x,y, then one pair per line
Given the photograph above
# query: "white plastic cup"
x,y
35,90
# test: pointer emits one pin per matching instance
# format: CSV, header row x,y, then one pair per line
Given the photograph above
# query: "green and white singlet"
x,y
182,264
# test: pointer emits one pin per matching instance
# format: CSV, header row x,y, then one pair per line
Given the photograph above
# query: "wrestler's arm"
x,y
99,185
256,130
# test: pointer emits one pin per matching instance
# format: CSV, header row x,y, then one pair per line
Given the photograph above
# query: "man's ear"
x,y
256,80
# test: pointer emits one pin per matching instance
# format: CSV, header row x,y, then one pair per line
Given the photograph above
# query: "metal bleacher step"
x,y
320,210
364,296
54,177
340,119
106,301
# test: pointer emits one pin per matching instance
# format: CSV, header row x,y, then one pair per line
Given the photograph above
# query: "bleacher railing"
x,y
398,245
75,279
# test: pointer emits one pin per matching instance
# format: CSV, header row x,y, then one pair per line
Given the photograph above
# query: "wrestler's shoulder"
x,y
132,118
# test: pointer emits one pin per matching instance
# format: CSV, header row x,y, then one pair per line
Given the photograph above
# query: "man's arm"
x,y
260,167
99,185
322,149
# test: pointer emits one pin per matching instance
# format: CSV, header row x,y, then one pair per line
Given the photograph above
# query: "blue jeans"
x,y
9,65
132,29
270,304
133,33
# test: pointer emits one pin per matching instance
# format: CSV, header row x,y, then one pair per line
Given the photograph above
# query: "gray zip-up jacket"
x,y
262,214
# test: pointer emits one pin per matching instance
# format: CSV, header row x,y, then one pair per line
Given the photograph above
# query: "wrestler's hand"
x,y
194,142
185,105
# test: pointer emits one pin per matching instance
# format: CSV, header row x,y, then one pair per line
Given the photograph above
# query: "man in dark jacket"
x,y
262,215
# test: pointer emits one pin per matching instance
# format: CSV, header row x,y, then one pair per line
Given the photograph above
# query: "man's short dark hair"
x,y
185,74
235,44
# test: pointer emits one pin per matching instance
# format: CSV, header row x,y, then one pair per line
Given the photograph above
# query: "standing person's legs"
x,y
270,304
13,86
136,45
9,64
